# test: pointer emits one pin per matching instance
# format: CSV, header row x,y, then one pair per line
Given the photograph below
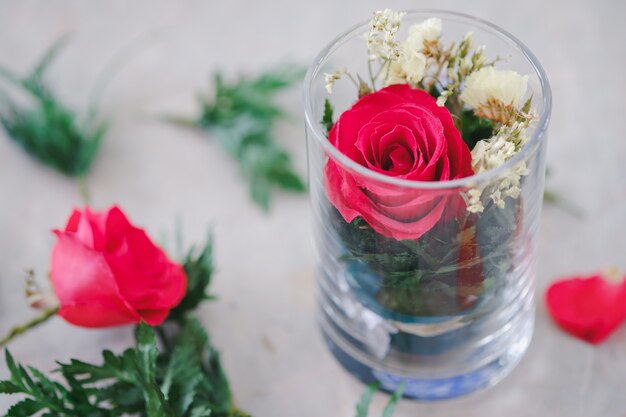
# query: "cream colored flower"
x,y
428,30
489,84
410,67
395,74
411,61
332,78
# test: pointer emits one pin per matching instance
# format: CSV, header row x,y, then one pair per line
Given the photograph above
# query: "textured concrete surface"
x,y
264,319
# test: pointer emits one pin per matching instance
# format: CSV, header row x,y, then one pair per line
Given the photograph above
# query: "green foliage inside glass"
x,y
327,118
442,273
473,128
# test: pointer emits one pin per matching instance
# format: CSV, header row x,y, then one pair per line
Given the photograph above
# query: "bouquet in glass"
x,y
427,188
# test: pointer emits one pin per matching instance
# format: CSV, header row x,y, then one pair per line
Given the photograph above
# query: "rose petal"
x,y
96,314
154,317
80,226
72,222
414,121
368,147
420,206
400,160
117,225
338,187
86,287
401,142
146,277
386,97
589,308
345,131
350,196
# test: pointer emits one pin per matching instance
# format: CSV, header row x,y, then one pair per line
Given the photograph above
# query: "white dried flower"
x,y
413,63
381,38
411,60
331,79
443,97
513,191
395,74
409,67
504,86
492,153
474,204
496,196
495,151
428,30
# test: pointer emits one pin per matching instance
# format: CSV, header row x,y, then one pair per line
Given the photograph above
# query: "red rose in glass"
x,y
402,133
107,272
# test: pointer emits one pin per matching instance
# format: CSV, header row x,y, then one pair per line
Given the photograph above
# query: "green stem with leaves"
x,y
241,117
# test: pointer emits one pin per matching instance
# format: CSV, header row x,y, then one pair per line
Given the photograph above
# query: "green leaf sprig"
x,y
327,118
48,130
182,378
362,408
242,116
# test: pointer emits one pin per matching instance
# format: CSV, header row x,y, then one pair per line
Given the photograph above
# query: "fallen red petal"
x,y
590,308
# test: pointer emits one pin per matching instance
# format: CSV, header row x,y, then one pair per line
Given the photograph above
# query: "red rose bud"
x,y
590,308
402,133
107,272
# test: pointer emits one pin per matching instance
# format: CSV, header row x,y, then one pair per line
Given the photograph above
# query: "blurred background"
x,y
264,320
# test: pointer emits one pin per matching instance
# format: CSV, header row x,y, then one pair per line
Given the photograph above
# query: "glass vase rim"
x,y
526,151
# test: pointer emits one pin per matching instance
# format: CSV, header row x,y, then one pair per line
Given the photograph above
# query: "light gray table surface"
x,y
264,319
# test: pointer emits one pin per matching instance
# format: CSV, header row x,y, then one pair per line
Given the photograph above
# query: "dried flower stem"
x,y
384,65
18,330
351,77
83,190
369,70
443,60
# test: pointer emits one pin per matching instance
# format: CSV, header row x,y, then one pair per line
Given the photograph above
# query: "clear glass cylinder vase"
x,y
443,302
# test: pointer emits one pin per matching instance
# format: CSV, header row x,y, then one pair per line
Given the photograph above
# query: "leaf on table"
x,y
212,388
241,117
390,408
47,129
362,408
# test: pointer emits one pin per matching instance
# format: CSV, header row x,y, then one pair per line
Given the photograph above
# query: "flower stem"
x,y
356,84
83,190
385,64
371,74
18,330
